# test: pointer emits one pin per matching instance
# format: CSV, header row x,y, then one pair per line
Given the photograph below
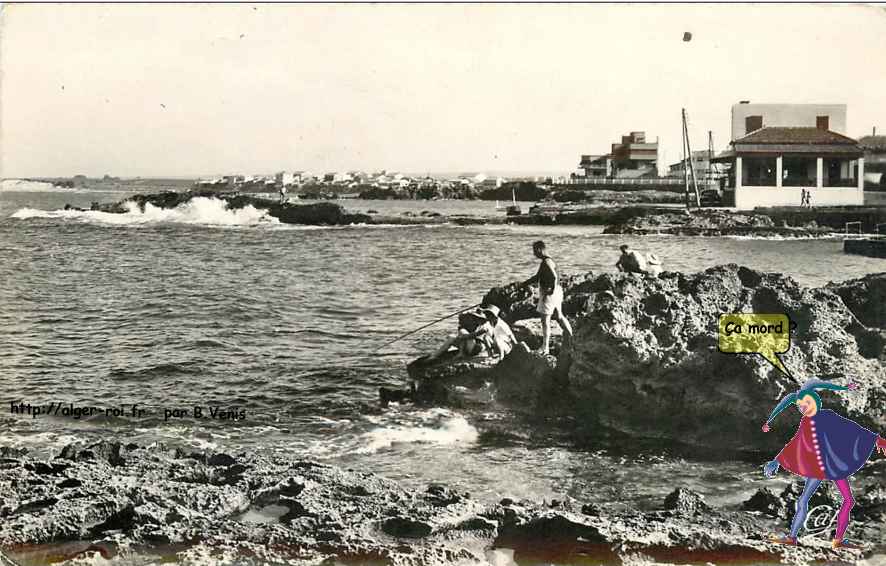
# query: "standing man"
x,y
282,194
550,297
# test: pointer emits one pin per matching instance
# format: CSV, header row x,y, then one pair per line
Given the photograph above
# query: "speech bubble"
x,y
752,333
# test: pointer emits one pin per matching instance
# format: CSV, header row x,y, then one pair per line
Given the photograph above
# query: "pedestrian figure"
x,y
550,298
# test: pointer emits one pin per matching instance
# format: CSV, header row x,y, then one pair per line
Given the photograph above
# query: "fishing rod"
x,y
450,315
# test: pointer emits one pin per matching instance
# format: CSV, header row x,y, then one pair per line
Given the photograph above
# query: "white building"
x,y
284,179
779,150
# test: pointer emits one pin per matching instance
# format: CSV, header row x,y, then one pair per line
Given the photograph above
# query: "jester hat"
x,y
808,388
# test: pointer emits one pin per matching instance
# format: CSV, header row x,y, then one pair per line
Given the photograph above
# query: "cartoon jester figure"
x,y
825,447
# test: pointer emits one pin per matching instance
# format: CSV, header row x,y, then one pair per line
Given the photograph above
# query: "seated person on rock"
x,y
492,335
631,261
499,338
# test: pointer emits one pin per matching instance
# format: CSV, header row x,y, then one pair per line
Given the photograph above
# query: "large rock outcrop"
x,y
645,360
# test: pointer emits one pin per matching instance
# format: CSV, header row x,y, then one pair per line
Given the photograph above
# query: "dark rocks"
x,y
441,496
865,297
591,509
35,505
765,501
316,214
69,483
221,460
122,520
709,223
46,468
685,500
109,452
10,452
552,527
403,527
477,524
450,381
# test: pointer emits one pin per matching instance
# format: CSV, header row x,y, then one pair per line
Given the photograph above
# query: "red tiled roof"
x,y
794,136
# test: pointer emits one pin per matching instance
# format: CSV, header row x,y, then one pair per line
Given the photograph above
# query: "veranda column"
x,y
738,181
819,173
737,173
861,174
778,171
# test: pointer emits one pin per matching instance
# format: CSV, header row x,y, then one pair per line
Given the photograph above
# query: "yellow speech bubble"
x,y
751,333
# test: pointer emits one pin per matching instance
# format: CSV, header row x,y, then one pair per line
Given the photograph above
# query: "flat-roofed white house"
x,y
779,150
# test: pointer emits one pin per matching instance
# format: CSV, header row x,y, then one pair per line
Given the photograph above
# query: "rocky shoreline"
x,y
123,500
622,218
767,223
643,365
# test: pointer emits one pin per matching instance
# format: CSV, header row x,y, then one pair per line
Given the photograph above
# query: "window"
x,y
822,122
840,173
799,171
752,123
758,172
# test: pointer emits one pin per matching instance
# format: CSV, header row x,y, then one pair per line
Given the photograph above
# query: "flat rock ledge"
x,y
114,498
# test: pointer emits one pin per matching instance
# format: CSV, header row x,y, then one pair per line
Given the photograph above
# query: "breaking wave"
x,y
199,210
439,427
25,186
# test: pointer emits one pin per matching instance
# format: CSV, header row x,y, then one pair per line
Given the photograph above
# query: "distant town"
x,y
779,155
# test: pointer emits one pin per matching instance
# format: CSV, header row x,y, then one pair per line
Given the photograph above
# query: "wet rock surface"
x,y
645,361
167,503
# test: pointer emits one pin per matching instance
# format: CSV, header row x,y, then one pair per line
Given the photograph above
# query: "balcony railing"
x,y
625,181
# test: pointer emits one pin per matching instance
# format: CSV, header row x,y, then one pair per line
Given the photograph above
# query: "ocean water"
x,y
200,306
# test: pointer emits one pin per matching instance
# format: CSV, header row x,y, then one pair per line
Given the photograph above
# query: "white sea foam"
x,y
23,186
439,427
40,444
199,210
20,185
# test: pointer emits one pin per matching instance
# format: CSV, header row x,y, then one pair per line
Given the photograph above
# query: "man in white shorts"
x,y
550,298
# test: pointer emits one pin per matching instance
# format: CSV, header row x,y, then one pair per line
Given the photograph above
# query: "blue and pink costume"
x,y
825,447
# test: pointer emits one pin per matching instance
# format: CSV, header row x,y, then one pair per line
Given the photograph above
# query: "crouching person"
x,y
492,336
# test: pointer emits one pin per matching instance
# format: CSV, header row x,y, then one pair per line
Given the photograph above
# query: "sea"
x,y
277,327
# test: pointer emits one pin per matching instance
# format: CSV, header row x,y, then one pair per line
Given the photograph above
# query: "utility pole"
x,y
689,160
685,164
710,175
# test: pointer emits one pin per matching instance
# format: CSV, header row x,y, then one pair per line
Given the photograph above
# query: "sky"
x,y
199,89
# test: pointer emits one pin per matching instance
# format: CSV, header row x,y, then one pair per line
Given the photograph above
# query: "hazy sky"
x,y
156,90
